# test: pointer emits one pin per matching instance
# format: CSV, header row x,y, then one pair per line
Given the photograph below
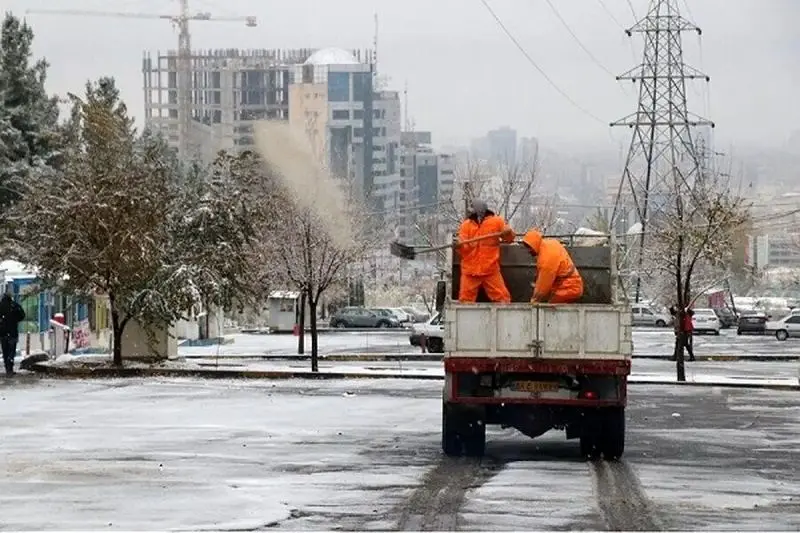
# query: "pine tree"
x,y
29,132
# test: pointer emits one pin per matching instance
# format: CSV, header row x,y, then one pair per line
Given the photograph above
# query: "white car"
x,y
706,321
645,315
433,330
404,318
788,326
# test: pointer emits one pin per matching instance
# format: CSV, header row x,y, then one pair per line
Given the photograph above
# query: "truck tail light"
x,y
588,395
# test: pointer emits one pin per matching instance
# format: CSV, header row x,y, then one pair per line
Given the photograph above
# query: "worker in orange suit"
x,y
480,261
557,279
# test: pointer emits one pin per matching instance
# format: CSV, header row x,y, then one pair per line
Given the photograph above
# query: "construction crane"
x,y
184,83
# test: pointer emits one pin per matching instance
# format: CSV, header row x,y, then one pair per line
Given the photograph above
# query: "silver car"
x,y
644,315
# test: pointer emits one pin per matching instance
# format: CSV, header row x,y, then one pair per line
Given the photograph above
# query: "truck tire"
x,y
612,436
435,345
463,432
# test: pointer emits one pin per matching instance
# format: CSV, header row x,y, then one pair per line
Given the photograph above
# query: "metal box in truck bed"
x,y
564,331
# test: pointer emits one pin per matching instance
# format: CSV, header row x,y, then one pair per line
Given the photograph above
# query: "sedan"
x,y
751,323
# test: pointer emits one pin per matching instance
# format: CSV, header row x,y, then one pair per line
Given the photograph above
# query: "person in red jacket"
x,y
686,327
480,261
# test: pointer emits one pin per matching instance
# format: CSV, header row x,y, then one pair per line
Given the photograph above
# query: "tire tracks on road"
x,y
435,506
621,498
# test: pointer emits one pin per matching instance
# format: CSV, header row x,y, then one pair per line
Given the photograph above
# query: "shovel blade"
x,y
402,251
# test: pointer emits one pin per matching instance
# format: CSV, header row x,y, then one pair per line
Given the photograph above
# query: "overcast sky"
x,y
464,75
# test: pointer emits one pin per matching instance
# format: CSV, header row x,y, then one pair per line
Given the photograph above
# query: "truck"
x,y
538,367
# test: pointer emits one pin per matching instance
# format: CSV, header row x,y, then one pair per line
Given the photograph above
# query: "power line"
x,y
536,65
633,11
610,13
577,40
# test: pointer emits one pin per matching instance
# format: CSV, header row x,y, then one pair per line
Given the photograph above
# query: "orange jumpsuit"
x,y
557,279
480,261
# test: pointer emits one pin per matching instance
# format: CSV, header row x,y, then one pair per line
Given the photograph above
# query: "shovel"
x,y
405,251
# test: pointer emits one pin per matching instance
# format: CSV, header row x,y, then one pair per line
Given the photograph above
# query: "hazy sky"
x,y
464,75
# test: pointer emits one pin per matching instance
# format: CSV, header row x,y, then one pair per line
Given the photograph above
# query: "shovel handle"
x,y
455,244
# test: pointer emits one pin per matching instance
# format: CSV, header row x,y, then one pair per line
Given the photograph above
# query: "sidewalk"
x,y
185,369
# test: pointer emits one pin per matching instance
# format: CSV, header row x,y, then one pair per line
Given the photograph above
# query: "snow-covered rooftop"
x,y
331,56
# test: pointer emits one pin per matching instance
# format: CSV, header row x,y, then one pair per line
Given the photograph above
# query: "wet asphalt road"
x,y
187,454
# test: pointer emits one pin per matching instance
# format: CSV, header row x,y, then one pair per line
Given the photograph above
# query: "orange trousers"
x,y
493,284
568,291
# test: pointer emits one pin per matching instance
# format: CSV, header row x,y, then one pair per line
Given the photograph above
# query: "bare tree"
x,y
308,258
692,243
508,188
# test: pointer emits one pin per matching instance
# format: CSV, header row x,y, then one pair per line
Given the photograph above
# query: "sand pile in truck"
x,y
312,187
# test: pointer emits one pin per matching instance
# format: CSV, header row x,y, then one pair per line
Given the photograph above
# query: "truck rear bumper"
x,y
509,381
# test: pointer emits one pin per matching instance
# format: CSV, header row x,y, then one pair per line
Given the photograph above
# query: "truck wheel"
x,y
451,439
475,442
463,432
589,447
612,435
435,345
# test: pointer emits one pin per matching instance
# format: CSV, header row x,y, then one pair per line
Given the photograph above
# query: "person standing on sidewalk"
x,y
11,314
684,333
688,333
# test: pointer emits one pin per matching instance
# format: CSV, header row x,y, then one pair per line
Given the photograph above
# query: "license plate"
x,y
534,386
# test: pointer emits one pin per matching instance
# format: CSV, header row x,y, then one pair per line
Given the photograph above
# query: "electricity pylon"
x,y
662,152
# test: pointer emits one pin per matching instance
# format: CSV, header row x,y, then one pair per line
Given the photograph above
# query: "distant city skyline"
x,y
752,79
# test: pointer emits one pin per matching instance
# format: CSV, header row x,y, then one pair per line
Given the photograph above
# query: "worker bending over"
x,y
480,261
557,279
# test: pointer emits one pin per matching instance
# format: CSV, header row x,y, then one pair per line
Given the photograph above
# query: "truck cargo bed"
x,y
564,331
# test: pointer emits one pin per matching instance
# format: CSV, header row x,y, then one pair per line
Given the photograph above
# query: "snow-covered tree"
x,y
29,133
118,219
691,243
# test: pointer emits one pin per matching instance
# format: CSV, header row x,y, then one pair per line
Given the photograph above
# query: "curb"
x,y
105,372
722,357
438,357
323,357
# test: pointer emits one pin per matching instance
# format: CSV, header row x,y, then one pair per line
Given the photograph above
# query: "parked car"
x,y
788,326
433,330
386,313
419,316
751,323
403,317
359,317
727,318
644,315
705,320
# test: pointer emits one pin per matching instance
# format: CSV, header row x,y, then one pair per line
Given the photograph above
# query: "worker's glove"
x,y
507,231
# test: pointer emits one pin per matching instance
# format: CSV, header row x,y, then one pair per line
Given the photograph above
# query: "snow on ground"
x,y
657,341
161,455
253,344
193,454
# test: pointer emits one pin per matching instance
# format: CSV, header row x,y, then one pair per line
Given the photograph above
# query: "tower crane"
x,y
184,84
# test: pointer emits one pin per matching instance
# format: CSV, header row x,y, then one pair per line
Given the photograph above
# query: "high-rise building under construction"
x,y
229,89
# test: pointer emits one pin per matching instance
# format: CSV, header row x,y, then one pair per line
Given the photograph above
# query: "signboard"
x,y
81,334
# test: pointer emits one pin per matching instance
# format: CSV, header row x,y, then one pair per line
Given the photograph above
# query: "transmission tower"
x,y
662,152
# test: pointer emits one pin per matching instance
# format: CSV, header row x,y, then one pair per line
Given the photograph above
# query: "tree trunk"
x,y
117,328
301,324
312,310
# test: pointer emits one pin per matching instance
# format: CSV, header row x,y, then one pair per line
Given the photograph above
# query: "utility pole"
x,y
662,148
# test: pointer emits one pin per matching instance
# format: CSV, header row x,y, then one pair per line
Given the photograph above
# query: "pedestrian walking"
x,y
688,333
11,314
684,332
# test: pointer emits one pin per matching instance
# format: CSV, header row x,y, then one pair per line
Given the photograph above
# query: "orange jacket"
x,y
553,264
483,257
